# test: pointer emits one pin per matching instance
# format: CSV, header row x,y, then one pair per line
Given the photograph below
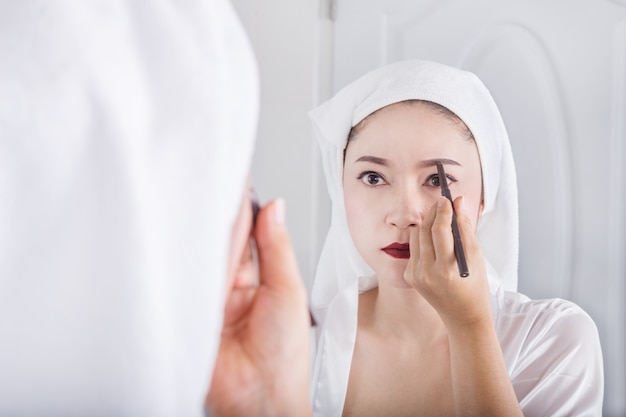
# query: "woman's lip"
x,y
398,250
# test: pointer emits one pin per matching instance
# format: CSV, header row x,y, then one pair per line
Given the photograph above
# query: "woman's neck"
x,y
400,313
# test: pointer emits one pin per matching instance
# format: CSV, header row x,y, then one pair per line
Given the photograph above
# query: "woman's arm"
x,y
480,381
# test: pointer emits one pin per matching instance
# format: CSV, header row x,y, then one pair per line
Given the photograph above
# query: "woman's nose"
x,y
406,210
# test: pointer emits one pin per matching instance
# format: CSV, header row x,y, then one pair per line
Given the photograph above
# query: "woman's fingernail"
x,y
441,202
462,204
278,214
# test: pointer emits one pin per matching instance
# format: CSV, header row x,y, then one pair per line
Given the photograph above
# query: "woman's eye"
x,y
371,178
434,180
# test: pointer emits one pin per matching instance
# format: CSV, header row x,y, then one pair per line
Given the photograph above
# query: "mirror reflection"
x,y
563,110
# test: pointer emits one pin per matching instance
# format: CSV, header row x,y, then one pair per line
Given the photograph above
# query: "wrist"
x,y
288,395
474,328
278,400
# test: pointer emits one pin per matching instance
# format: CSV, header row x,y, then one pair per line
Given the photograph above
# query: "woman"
x,y
402,333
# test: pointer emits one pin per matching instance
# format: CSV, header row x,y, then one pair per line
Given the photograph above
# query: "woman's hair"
x,y
436,108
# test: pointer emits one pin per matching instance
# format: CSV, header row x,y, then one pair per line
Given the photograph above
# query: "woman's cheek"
x,y
354,210
473,206
361,213
352,214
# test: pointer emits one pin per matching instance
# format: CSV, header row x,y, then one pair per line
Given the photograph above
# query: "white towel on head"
x,y
341,272
466,96
126,132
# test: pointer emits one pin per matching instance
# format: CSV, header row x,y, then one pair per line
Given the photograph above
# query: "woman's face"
x,y
390,180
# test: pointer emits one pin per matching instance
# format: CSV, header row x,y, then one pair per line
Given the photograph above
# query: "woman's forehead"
x,y
407,135
407,127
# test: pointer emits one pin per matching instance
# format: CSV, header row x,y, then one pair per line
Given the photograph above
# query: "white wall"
x,y
292,44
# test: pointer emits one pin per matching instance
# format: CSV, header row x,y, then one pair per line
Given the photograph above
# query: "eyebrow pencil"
x,y
459,253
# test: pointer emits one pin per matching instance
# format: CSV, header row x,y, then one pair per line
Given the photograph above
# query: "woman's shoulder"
x,y
540,315
552,351
551,334
538,319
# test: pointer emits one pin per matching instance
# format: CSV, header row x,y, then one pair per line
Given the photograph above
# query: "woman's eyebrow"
x,y
433,162
373,159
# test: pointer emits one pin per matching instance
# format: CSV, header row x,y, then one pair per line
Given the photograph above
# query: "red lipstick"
x,y
398,250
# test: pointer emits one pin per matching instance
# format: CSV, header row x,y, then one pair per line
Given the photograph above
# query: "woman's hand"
x,y
435,274
263,363
480,381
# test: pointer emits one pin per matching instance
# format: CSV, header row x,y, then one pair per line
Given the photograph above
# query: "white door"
x,y
557,69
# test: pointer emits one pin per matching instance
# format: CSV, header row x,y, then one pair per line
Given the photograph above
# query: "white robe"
x,y
551,347
126,133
